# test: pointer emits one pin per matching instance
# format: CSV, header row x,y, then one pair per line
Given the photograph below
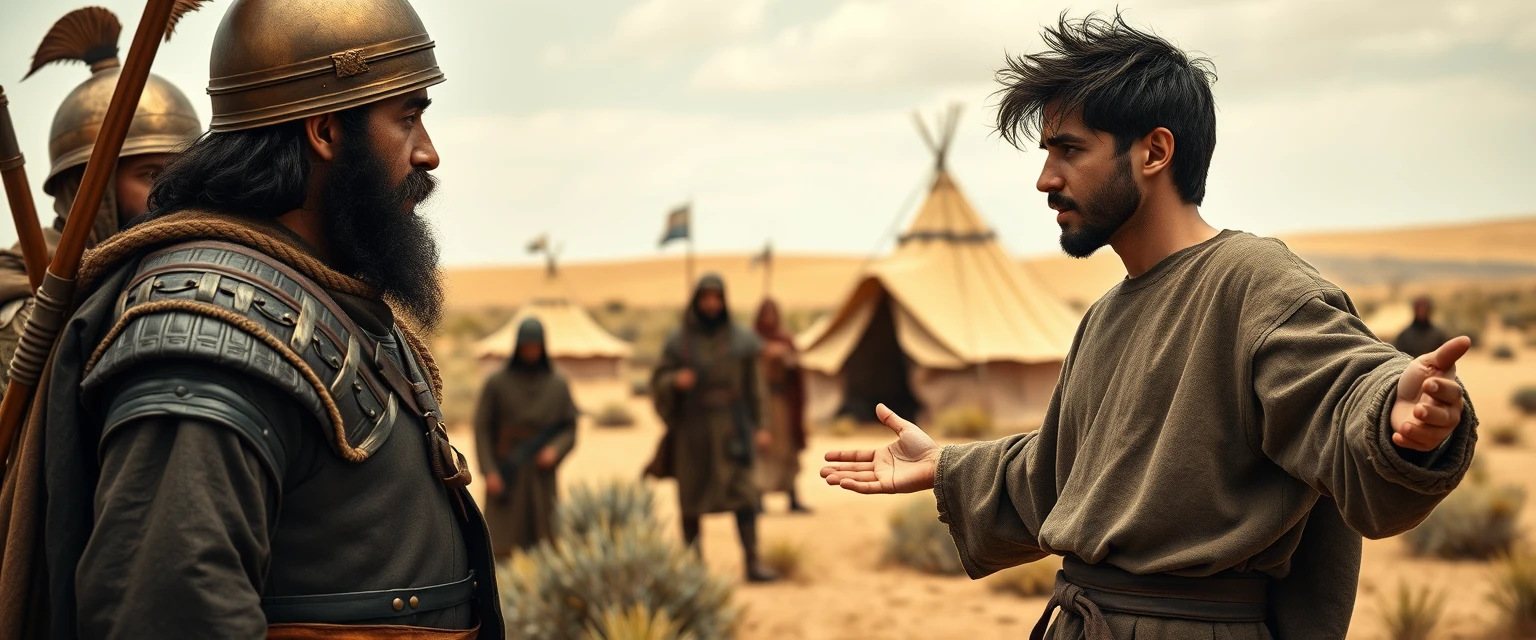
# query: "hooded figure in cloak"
x,y
1422,336
779,462
525,426
706,392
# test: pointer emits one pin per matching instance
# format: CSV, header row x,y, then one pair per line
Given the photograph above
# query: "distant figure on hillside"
x,y
1224,430
779,462
1422,336
706,392
525,425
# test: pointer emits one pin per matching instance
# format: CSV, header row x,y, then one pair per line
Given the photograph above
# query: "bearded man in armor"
x,y
163,123
242,434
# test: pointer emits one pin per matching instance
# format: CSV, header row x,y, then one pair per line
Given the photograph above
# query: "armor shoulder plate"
x,y
245,311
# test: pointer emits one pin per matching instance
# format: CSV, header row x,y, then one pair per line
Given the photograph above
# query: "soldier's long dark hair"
x,y
261,172
1125,82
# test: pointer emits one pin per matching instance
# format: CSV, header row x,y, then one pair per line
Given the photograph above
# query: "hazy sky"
x,y
791,119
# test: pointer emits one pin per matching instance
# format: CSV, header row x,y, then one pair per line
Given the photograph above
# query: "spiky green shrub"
x,y
608,507
1525,399
1514,592
918,540
964,422
1477,521
614,414
1413,614
609,556
636,623
1030,580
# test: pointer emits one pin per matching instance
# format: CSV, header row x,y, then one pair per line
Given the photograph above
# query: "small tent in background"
x,y
578,346
948,320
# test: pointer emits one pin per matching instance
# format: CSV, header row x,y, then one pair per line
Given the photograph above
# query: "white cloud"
x,y
665,25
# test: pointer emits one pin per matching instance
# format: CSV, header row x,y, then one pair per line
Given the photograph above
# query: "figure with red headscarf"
x,y
779,462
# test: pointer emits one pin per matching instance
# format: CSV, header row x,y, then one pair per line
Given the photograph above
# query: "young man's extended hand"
x,y
905,466
1429,405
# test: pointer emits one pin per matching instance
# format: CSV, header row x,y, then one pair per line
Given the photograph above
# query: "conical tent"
x,y
947,320
577,345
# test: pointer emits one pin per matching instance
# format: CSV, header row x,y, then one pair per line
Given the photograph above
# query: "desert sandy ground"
x,y
848,595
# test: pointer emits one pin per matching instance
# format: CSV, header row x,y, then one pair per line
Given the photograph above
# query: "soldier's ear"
x,y
324,135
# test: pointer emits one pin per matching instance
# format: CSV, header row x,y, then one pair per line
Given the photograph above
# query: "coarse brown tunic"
x,y
1222,411
521,410
704,448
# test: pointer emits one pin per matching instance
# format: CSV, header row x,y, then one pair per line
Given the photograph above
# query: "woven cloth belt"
x,y
341,608
1089,590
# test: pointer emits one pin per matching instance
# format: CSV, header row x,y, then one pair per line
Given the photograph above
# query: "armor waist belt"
x,y
1089,590
341,608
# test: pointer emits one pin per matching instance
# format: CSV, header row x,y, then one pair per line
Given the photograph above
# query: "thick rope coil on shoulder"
x,y
252,328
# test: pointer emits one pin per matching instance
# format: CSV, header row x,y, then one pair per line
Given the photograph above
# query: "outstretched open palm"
x,y
904,466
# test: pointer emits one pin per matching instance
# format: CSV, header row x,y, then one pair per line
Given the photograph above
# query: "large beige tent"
x,y
577,345
948,320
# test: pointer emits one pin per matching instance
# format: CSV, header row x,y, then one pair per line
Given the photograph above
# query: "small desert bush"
x,y
843,426
1507,434
636,623
1525,399
964,422
1477,521
918,540
1037,578
1503,352
614,414
1514,592
606,507
1413,614
786,558
609,565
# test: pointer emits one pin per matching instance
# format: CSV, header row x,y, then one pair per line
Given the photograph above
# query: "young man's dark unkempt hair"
x,y
1125,82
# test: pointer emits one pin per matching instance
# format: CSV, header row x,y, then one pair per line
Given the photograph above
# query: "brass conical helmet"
x,y
163,122
280,60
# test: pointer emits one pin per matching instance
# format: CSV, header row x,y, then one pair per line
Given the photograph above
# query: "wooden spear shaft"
x,y
56,293
29,233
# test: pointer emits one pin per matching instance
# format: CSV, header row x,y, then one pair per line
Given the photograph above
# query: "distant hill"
x,y
1478,251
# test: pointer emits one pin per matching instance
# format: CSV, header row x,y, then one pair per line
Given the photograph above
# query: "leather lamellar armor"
x,y
227,305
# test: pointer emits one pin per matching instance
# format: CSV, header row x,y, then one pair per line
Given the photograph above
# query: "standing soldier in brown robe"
x,y
779,463
1225,428
163,123
525,425
1422,336
706,392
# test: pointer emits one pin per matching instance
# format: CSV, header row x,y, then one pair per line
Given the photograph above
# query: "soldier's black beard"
x,y
377,237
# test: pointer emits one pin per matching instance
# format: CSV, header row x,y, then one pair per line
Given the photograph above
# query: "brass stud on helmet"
x,y
280,60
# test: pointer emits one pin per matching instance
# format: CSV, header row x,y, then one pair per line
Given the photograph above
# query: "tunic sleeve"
x,y
1324,389
995,495
485,429
180,542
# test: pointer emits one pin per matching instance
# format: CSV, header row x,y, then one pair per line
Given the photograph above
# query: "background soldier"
x,y
163,123
1225,428
525,425
1422,336
779,463
240,440
706,392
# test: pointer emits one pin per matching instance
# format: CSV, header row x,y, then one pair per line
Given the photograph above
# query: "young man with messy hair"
x,y
1225,429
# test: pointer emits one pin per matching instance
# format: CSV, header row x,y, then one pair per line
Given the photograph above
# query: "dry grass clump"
x,y
1506,434
1503,352
636,623
843,426
918,540
612,573
964,422
786,558
614,414
1515,594
1525,400
1413,614
1030,580
1477,521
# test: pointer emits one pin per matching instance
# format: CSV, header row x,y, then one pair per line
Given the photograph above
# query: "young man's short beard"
x,y
1103,212
375,234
